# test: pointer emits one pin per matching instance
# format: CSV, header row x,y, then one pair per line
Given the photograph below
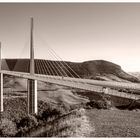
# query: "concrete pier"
x,y
1,84
32,96
1,92
32,84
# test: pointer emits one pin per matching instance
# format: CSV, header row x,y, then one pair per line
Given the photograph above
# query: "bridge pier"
x,y
32,96
1,84
1,92
32,84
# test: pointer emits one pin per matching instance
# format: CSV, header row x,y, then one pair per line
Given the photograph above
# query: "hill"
x,y
96,69
100,69
50,93
135,74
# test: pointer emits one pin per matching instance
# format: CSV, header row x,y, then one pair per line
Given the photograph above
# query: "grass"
x,y
72,124
115,123
75,124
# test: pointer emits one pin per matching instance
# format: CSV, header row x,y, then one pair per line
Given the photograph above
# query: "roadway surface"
x,y
85,84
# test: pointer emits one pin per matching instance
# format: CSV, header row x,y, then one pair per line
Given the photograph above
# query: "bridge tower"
x,y
1,84
32,84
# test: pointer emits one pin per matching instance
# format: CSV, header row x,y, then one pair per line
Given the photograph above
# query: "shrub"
x,y
98,104
48,113
73,124
28,121
15,109
102,105
25,124
7,128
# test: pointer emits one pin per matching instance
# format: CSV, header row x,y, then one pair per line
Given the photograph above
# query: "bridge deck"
x,y
85,84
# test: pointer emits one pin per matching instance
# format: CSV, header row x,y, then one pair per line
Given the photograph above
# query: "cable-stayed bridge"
x,y
62,74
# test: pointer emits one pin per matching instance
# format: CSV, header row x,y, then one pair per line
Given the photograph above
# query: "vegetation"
x,y
72,124
115,123
7,128
64,115
98,104
27,123
15,109
51,121
55,121
20,122
65,118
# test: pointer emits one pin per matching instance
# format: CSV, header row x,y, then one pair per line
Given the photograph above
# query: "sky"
x,y
76,32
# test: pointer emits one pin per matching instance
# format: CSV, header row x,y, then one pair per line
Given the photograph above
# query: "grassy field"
x,y
115,123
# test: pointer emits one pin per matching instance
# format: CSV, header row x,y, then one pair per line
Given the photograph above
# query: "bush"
x,y
98,104
28,121
48,114
102,105
15,109
49,111
73,124
7,128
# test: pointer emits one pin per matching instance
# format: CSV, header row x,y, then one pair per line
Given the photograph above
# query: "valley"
x,y
104,116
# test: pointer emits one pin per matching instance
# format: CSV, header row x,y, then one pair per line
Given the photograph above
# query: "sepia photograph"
x,y
69,70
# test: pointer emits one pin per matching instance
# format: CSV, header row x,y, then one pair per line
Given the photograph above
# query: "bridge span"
x,y
113,88
84,84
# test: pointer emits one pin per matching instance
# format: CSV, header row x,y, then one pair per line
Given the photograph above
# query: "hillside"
x,y
96,69
100,69
50,93
136,74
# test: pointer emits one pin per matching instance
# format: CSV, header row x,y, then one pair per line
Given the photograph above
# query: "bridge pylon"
x,y
1,84
32,84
